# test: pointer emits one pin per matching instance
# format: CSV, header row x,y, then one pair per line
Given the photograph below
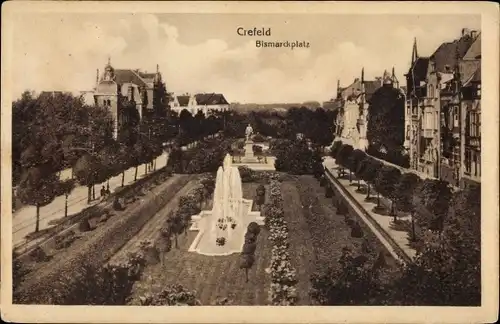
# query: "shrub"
x,y
253,228
356,230
323,181
257,138
328,192
64,240
342,209
250,237
246,174
38,255
173,295
84,225
261,190
249,248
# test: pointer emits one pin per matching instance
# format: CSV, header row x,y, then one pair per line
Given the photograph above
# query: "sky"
x,y
204,53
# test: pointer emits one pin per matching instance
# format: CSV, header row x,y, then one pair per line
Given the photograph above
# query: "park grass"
x,y
211,277
317,234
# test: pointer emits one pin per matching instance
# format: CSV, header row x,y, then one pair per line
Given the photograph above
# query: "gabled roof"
x,y
468,69
446,54
183,100
129,76
146,75
474,51
419,69
210,99
351,89
371,87
477,75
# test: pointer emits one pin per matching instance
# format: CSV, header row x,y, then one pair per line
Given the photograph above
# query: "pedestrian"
x,y
108,192
103,192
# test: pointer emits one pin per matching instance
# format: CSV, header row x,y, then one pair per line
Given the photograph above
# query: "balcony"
x,y
428,133
428,101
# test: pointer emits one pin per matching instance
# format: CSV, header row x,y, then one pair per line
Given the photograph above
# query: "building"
x,y
352,103
204,102
424,87
130,95
460,120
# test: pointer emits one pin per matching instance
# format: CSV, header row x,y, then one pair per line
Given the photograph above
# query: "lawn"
x,y
318,234
211,277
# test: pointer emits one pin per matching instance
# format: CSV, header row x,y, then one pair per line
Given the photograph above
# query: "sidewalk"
x,y
384,221
24,219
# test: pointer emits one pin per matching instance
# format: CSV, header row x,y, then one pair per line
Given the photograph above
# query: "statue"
x,y
248,132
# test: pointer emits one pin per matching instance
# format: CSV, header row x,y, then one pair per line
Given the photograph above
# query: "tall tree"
x,y
38,187
386,120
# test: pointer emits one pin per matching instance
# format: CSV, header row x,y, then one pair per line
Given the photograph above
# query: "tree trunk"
x,y
146,168
378,199
413,236
66,205
393,211
135,176
246,274
176,242
368,193
37,226
93,192
89,194
154,165
350,176
359,184
123,178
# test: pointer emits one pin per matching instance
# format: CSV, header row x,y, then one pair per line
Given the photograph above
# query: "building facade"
x,y
460,120
431,83
204,102
352,103
130,95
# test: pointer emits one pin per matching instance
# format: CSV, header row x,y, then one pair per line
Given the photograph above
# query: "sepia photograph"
x,y
243,154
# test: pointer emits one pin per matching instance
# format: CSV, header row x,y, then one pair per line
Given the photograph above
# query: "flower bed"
x,y
283,276
47,287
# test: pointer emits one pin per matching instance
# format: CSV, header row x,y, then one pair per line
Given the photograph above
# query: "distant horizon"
x,y
198,53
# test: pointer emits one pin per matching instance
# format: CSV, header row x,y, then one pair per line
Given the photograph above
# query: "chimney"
x,y
97,78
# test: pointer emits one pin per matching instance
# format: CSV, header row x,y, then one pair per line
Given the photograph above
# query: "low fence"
x,y
355,209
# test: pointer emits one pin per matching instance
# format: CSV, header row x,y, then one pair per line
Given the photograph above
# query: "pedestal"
x,y
249,156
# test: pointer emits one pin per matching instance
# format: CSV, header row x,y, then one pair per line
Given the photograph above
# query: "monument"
x,y
221,231
249,156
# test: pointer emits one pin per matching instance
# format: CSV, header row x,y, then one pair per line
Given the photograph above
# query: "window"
x,y
455,117
467,161
408,132
431,91
474,124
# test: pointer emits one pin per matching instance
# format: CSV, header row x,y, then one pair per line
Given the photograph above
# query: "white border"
x,y
488,312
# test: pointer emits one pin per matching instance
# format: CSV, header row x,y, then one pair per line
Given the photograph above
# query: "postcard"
x,y
240,162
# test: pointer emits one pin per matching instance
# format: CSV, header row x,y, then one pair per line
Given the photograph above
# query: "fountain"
x,y
221,231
